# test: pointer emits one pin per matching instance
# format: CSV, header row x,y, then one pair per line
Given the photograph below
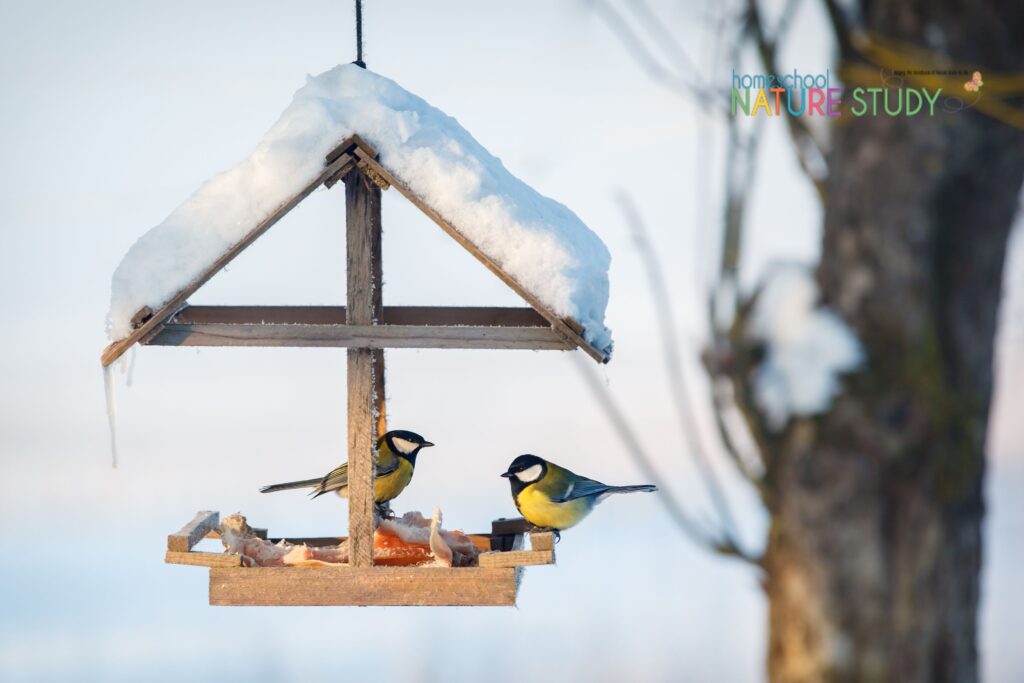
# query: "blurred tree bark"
x,y
872,563
875,548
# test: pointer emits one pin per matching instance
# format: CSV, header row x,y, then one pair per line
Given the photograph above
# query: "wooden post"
x,y
365,366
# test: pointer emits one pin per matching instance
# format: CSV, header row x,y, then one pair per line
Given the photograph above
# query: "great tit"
x,y
393,467
552,497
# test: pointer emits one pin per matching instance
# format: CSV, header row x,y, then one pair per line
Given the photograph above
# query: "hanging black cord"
x,y
359,35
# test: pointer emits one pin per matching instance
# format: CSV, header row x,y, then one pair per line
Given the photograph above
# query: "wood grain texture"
x,y
114,351
338,176
259,533
517,558
441,316
422,586
200,559
542,540
193,532
365,366
360,336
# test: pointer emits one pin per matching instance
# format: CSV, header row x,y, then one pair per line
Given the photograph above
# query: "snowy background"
x,y
114,112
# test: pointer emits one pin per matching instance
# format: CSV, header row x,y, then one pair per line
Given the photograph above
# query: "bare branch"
x,y
741,164
724,544
722,401
803,139
654,26
671,343
703,95
840,29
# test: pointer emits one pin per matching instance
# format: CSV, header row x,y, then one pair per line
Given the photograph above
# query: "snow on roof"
x,y
807,347
536,240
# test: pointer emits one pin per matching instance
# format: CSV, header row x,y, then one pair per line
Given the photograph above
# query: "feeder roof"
x,y
534,243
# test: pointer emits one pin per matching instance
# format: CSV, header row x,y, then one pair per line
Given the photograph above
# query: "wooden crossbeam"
x,y
199,559
482,316
193,532
360,336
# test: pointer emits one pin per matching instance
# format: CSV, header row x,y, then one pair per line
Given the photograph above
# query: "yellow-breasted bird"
x,y
552,497
393,467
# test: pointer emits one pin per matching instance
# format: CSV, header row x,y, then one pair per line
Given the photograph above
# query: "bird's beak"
x,y
426,444
507,474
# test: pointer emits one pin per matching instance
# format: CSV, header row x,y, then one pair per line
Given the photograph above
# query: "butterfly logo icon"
x,y
975,83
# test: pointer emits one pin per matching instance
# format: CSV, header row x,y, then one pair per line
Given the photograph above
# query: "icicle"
x,y
131,366
108,387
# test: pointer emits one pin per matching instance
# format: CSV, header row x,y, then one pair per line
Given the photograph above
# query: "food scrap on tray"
x,y
411,539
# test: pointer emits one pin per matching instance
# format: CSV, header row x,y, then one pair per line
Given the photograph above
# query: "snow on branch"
x,y
807,348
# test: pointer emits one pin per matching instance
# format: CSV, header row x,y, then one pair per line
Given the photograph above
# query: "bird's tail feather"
x,y
646,488
305,483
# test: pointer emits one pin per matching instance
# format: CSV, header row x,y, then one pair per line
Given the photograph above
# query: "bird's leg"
x,y
384,510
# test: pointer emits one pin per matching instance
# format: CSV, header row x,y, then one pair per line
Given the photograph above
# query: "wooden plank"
x,y
114,351
311,541
561,325
507,534
380,412
337,177
363,237
215,534
517,558
420,586
441,316
141,316
513,525
193,532
542,540
348,145
198,559
360,336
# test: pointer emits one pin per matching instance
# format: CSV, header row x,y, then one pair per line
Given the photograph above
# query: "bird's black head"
x,y
404,444
525,470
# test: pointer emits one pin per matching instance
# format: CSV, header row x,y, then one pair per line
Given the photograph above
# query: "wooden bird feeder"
x,y
365,327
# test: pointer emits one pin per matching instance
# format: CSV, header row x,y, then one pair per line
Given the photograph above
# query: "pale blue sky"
x,y
113,112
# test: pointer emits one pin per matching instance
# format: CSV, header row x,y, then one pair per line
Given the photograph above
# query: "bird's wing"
x,y
381,469
580,487
335,479
338,477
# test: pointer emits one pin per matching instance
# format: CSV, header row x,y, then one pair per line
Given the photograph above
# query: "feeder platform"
x,y
494,582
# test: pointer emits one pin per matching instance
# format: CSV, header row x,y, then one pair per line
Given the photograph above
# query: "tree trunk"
x,y
873,558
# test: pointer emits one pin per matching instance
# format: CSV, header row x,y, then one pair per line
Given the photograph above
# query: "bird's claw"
x,y
540,529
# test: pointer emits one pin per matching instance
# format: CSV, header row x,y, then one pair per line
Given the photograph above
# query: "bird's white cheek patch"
x,y
529,474
404,445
